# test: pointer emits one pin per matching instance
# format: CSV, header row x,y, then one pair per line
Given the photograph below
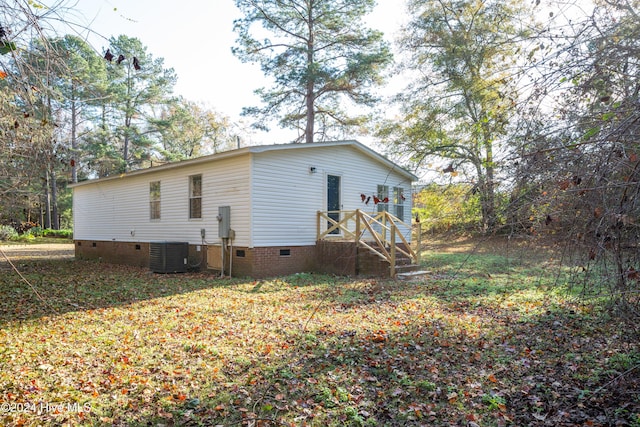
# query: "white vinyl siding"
x,y
273,193
285,198
286,195
118,209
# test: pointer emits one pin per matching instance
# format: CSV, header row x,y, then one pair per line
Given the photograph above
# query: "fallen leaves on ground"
x,y
127,347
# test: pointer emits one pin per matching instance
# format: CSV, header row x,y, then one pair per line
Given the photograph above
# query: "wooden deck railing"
x,y
379,232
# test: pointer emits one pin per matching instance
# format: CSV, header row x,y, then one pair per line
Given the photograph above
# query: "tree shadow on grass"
x,y
53,287
323,351
552,369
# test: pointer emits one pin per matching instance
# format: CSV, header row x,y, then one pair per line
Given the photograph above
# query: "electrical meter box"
x,y
224,221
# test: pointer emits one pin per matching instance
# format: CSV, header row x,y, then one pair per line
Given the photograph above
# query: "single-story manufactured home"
x,y
336,207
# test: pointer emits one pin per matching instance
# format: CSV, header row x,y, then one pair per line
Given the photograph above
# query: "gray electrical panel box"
x,y
224,221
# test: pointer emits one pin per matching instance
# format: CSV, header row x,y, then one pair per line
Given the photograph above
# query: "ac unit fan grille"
x,y
168,257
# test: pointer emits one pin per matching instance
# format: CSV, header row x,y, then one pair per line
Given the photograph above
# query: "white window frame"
x,y
155,200
398,203
383,193
195,197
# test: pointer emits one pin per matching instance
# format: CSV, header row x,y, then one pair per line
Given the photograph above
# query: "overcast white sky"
x,y
195,38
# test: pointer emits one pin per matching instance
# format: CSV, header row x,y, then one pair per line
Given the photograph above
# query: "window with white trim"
x,y
154,200
195,197
398,202
383,198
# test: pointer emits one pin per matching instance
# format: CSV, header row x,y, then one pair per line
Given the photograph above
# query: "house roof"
x,y
258,149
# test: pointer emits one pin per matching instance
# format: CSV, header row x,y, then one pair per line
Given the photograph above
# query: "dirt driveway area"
x,y
43,251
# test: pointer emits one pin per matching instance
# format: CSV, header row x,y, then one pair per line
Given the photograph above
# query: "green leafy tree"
x,y
24,148
27,144
187,129
320,55
139,85
42,110
460,103
80,81
447,207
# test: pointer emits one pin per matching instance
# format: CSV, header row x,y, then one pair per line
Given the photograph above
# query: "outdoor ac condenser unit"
x,y
168,257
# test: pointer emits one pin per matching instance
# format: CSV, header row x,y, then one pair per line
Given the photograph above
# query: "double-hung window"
x,y
154,200
195,196
383,197
398,202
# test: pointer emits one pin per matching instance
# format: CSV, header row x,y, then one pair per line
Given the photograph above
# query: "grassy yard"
x,y
487,339
37,240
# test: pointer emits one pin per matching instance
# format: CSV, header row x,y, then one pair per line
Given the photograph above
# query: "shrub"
x,y
7,232
36,231
448,207
24,237
63,234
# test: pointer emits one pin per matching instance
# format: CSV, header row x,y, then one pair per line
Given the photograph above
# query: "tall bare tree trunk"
x,y
310,100
55,223
489,199
47,202
74,142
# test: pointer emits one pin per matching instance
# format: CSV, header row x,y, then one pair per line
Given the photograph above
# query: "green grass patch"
x,y
30,239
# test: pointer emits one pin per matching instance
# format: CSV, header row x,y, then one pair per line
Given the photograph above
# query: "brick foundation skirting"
x,y
131,253
337,258
341,258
